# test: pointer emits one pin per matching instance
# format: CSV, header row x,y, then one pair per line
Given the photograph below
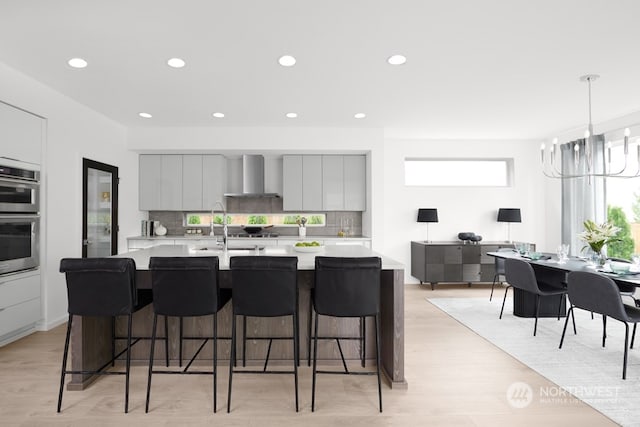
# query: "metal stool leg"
x,y
151,354
377,323
233,355
64,360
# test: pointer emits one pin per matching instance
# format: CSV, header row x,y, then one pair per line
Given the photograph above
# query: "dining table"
x,y
548,268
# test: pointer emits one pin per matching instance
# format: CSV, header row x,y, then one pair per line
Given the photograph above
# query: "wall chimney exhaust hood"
x,y
252,178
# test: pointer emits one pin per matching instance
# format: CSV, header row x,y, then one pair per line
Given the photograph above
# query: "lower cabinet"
x,y
453,262
19,305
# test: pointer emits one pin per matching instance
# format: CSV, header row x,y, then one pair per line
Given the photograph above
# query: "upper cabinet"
x,y
174,182
21,134
328,183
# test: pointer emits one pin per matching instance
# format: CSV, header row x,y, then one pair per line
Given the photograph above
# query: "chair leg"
x,y
166,340
315,361
503,300
64,361
295,354
180,345
244,341
215,362
562,297
309,323
626,348
566,321
377,333
495,277
128,368
233,356
113,341
535,325
633,335
151,354
363,339
604,329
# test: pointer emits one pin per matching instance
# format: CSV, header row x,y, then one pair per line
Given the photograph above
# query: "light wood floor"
x,y
455,379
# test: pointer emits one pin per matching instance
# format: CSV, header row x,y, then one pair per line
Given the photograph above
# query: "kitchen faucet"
x,y
225,229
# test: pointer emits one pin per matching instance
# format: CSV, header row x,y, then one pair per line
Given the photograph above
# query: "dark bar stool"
x,y
264,286
100,287
347,287
187,287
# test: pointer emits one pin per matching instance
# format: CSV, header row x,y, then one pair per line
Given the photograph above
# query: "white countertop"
x,y
306,261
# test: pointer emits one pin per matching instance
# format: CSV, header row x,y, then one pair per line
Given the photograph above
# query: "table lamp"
x,y
427,215
509,215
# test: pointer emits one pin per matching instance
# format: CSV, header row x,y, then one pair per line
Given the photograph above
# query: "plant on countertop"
x,y
598,235
193,219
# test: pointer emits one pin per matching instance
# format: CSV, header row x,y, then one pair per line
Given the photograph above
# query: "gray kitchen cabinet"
x,y
355,183
21,134
214,180
203,181
453,262
160,182
332,183
312,183
292,183
302,183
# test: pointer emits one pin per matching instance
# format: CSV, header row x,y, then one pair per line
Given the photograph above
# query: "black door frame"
x,y
113,170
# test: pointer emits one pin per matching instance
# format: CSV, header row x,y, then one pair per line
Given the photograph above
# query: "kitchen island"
x,y
91,337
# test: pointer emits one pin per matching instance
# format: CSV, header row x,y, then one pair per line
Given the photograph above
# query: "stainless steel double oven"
x,y
19,217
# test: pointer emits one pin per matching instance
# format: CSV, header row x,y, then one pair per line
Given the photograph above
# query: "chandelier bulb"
x,y
627,132
587,134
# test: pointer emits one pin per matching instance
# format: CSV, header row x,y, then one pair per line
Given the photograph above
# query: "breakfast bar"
x,y
91,337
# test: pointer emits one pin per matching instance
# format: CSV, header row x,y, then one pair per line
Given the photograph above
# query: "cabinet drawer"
x,y
19,316
18,290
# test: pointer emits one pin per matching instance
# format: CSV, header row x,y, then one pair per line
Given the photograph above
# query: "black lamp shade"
x,y
428,215
509,215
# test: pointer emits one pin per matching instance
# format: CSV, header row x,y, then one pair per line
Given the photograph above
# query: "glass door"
x,y
100,209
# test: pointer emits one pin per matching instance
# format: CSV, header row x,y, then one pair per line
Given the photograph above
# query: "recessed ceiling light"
x,y
287,61
360,115
145,115
397,59
218,115
292,115
77,63
176,63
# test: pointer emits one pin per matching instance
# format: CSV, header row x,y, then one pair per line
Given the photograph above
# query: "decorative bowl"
x,y
466,235
620,267
475,238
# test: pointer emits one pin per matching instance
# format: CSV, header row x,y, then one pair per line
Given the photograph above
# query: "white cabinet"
x,y
348,242
192,182
160,182
21,134
19,305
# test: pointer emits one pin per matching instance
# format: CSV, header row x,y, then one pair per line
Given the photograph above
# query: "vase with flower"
x,y
597,236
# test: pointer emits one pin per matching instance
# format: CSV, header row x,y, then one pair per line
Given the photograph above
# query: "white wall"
x,y
73,132
462,208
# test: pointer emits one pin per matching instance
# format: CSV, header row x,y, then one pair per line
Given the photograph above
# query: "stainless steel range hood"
x,y
252,178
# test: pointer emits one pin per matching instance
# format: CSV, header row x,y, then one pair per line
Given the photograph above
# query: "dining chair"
x,y
599,294
520,274
499,268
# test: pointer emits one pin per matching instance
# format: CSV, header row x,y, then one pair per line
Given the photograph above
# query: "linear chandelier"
x,y
549,161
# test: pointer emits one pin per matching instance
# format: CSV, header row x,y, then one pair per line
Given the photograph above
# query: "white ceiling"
x,y
476,68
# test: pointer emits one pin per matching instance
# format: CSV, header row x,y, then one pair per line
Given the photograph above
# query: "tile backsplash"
x,y
336,220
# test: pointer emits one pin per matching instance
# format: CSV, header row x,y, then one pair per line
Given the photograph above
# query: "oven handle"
x,y
19,182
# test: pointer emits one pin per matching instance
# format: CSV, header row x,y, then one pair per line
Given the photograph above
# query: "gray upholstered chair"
x,y
599,294
499,268
520,274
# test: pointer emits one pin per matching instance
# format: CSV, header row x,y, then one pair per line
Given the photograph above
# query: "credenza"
x,y
456,262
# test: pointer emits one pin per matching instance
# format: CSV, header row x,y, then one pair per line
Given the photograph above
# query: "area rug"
x,y
582,367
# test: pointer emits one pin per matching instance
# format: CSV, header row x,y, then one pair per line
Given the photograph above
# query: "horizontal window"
x,y
458,172
200,219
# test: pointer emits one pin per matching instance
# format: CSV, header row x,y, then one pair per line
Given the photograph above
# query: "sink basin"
x,y
219,249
